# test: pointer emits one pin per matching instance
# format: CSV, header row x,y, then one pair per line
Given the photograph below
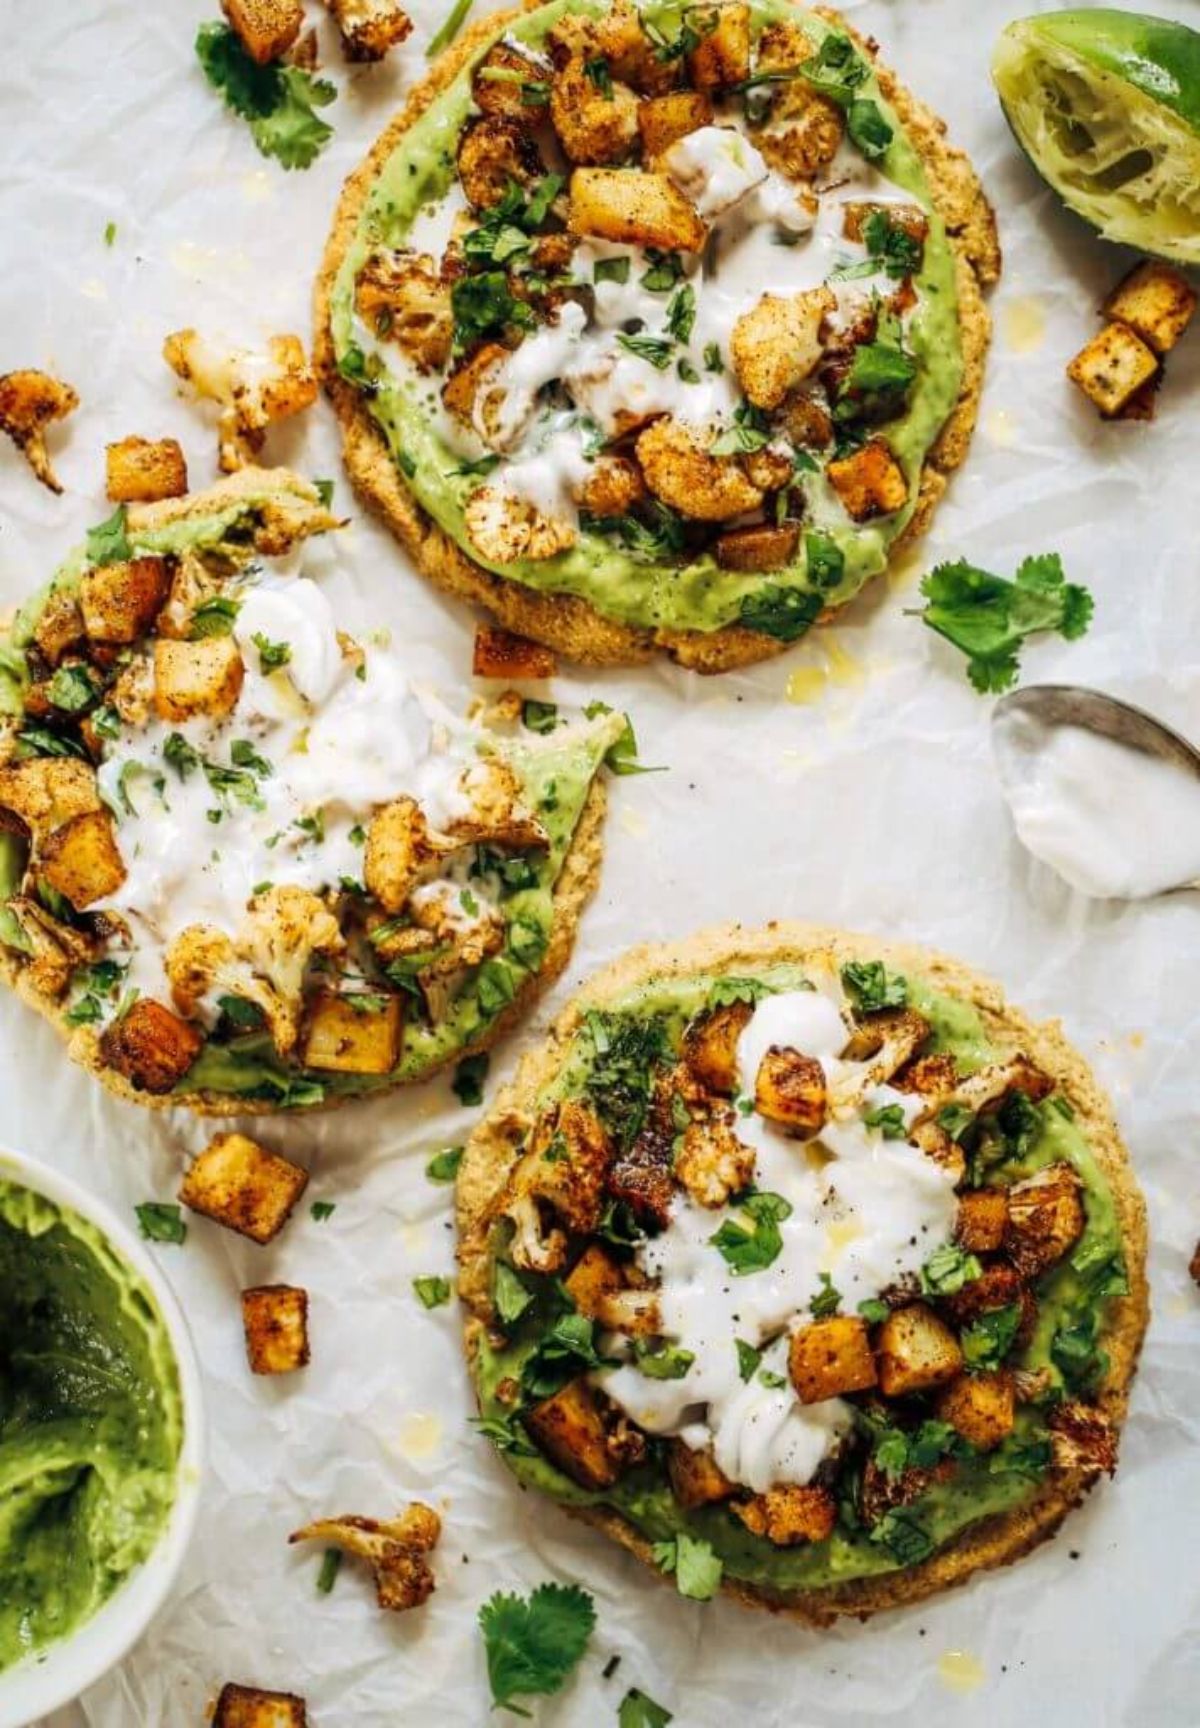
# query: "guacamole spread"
x,y
656,309
90,1422
799,1266
247,855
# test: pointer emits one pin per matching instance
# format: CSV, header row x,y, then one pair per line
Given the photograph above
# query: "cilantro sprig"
x,y
279,102
989,617
533,1643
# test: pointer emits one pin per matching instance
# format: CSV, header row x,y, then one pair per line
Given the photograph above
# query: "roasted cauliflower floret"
x,y
48,791
503,527
1083,1438
29,402
778,343
53,950
1045,1218
402,851
496,84
396,1549
492,152
679,470
712,1163
498,816
251,390
557,1186
596,119
805,128
403,299
369,28
788,1516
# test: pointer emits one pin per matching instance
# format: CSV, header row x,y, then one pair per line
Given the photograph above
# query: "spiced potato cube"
x,y
238,1183
275,1321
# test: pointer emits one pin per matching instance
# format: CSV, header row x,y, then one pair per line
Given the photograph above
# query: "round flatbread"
x,y
245,864
984,1353
601,525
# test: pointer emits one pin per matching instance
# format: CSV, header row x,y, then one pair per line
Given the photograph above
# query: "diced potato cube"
x,y
870,482
275,1320
59,628
139,471
265,28
915,1351
722,56
82,859
696,1477
353,1034
789,1088
48,791
1045,1218
248,1707
570,1429
400,850
613,486
191,678
908,217
241,1185
29,402
710,1045
998,1286
501,653
1113,367
1156,302
120,601
150,1046
763,547
791,1515
593,124
664,120
369,28
594,1276
640,209
982,1217
829,1357
618,36
980,1407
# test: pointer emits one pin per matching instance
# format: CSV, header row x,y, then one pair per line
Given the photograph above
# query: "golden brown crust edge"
x,y
565,622
573,889
995,1541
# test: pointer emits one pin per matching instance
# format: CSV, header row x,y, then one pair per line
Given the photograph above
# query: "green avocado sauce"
x,y
91,1421
556,775
698,595
982,1485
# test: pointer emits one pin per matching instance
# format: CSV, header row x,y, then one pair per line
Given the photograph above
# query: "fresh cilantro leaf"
x,y
712,357
748,1359
279,101
696,1566
527,941
752,1249
827,1300
626,1051
781,612
1076,1353
619,1225
180,755
469,1076
539,717
904,1537
443,1166
749,432
1020,1121
110,233
532,1644
611,270
506,1435
728,990
1021,1458
324,491
509,1294
432,1292
483,304
160,1221
988,1340
243,755
621,758
40,741
320,1210
213,617
331,1565
872,987
889,1119
599,76
496,986
891,244
271,655
662,1362
836,69
955,1119
72,689
989,617
1103,1272
873,1311
868,128
665,270
877,385
824,561
947,1269
565,1350
108,543
638,1711
654,349
681,312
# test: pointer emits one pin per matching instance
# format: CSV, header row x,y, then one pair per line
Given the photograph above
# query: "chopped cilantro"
x,y
873,1311
889,1120
469,1076
637,1710
271,655
748,1359
872,987
779,611
320,1210
747,1249
72,689
611,270
108,542
662,1361
947,1269
599,75
161,1221
656,350
213,617
827,1300
509,1294
824,560
539,716
696,1566
432,1292
331,1564
988,1340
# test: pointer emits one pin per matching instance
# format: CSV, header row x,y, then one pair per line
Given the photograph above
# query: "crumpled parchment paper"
x,y
850,781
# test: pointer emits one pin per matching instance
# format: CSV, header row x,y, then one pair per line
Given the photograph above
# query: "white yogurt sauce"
x,y
1111,820
865,1211
338,745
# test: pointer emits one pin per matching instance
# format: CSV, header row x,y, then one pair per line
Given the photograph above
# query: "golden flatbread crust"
x,y
565,622
573,889
994,1541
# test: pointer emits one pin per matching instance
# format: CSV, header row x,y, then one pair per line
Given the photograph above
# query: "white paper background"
x,y
874,806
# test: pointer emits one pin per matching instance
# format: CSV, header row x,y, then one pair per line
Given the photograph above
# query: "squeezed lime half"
x,y
1106,105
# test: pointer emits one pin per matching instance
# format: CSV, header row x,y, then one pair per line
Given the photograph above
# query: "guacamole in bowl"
x,y
99,1440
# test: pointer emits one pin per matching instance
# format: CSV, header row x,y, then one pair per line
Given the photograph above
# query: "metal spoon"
x,y
1072,705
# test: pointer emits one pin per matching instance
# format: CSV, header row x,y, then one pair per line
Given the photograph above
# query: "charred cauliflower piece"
x,y
778,343
46,792
805,128
696,1477
53,949
498,817
496,85
1082,1438
251,390
401,852
492,151
710,1046
789,1089
29,402
403,299
596,121
712,1163
369,28
396,1549
1045,1218
557,1186
503,528
791,1515
679,471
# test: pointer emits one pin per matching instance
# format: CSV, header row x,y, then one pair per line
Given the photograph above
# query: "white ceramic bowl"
x,y
53,1677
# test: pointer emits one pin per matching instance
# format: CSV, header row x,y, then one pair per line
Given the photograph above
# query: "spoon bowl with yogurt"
x,y
1099,790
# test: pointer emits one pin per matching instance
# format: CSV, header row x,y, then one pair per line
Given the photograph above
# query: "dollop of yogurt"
x,y
865,1211
1113,821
